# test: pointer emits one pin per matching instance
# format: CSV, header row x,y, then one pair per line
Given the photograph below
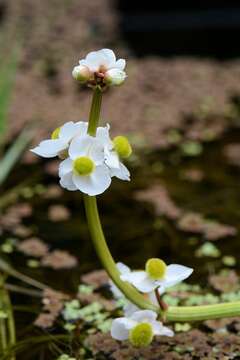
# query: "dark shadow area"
x,y
202,29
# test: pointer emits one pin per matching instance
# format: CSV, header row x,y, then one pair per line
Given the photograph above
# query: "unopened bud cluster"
x,y
100,68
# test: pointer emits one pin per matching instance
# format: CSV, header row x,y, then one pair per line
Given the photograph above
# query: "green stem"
x,y
10,320
8,269
3,336
95,111
185,313
105,255
3,330
203,312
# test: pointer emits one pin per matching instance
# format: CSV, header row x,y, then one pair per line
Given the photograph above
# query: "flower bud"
x,y
115,76
81,73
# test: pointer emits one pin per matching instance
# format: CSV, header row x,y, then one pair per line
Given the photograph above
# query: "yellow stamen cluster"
x,y
156,268
141,335
55,133
122,146
83,166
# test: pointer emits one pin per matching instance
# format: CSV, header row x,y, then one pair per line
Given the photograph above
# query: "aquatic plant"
x,y
90,161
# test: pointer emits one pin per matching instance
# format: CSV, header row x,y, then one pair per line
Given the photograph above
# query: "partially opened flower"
x,y
60,140
85,170
114,151
100,68
139,328
156,275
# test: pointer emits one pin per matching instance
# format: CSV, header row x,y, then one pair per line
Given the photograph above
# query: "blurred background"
x,y
180,108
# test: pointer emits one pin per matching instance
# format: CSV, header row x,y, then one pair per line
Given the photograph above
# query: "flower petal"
x,y
120,64
69,130
144,316
121,173
96,151
102,134
159,329
129,309
93,61
50,148
120,328
67,183
133,276
176,273
146,286
124,269
82,127
95,183
80,146
115,290
65,167
109,57
112,159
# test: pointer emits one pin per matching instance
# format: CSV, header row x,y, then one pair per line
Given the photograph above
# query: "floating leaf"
x,y
192,148
85,289
208,249
229,260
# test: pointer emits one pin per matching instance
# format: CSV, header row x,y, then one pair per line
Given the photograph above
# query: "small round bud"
x,y
115,76
141,335
156,268
83,166
55,133
122,146
81,73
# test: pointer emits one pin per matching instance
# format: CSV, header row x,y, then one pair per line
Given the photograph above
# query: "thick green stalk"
x,y
95,111
185,313
203,312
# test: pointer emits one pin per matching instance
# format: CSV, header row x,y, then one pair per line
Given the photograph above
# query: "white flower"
x,y
60,139
85,170
101,68
156,275
139,328
113,151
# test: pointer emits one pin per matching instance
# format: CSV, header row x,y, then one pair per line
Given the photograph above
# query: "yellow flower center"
x,y
55,133
122,146
141,335
156,268
83,165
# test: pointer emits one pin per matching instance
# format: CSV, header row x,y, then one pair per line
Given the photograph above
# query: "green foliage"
x,y
192,148
208,249
7,75
13,154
